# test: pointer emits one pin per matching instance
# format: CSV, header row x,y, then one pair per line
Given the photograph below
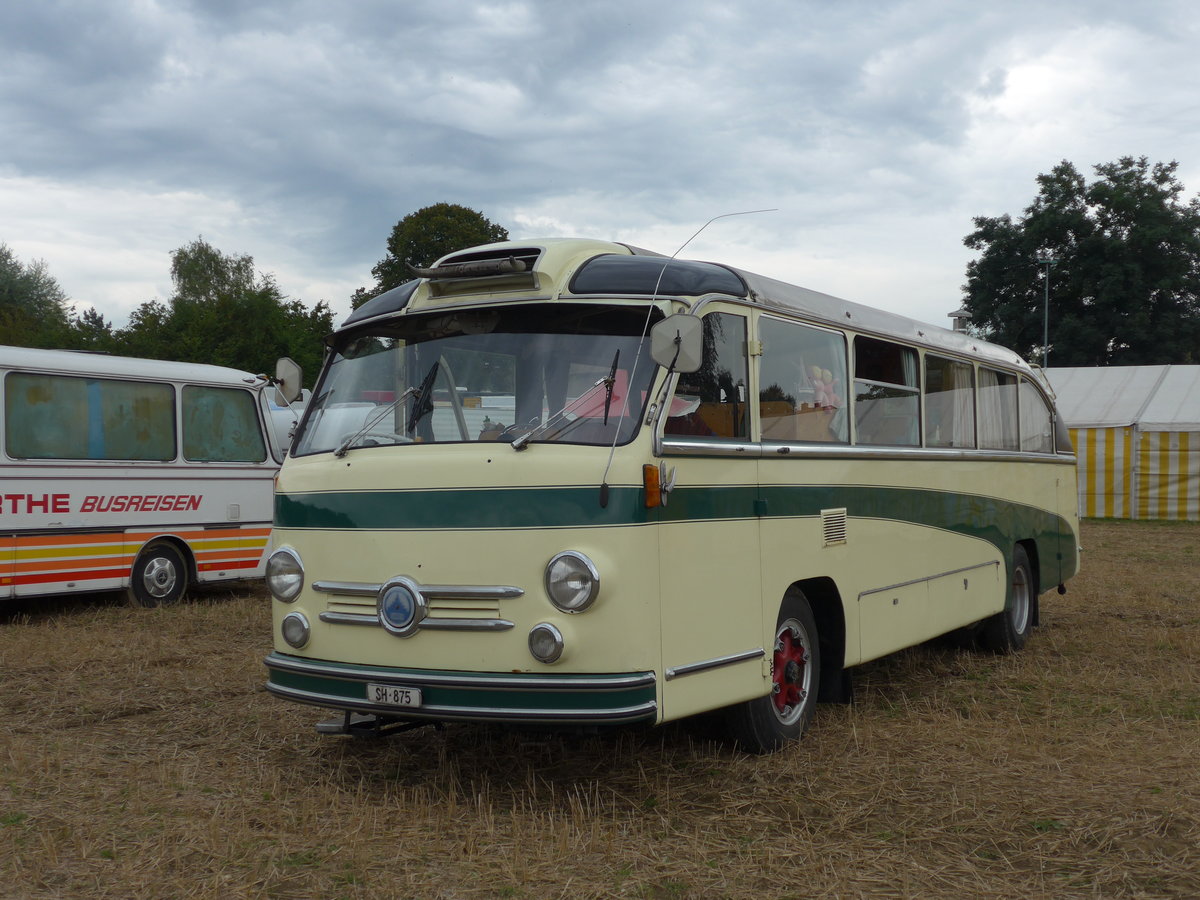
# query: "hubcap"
x,y
159,577
1020,601
790,672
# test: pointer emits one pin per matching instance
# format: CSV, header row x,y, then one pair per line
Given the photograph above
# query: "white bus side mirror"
x,y
677,343
288,380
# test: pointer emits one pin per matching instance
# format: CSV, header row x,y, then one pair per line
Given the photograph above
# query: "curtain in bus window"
x,y
712,400
949,403
997,410
1036,423
63,417
802,379
886,405
221,425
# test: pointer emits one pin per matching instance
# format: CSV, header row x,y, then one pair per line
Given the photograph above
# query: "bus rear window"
x,y
64,417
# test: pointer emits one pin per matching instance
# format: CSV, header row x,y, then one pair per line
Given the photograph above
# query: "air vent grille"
x,y
833,526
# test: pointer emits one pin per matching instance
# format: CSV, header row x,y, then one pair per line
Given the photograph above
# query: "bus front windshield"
x,y
522,374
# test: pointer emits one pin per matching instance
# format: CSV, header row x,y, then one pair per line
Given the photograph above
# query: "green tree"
x,y
34,309
224,312
91,331
422,237
1125,281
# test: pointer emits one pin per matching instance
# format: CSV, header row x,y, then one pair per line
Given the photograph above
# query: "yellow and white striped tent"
x,y
1136,431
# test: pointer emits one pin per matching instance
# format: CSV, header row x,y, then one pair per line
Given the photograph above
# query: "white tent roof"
x,y
1155,398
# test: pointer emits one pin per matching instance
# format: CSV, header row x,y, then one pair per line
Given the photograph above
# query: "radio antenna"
x,y
645,328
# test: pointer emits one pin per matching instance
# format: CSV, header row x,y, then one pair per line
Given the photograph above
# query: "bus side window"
x,y
886,406
949,403
712,400
221,425
1037,429
997,410
802,383
66,417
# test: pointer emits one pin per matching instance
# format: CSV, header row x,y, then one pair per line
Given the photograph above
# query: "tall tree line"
x,y
222,311
1122,255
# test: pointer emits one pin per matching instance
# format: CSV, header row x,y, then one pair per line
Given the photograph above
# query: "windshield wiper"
x,y
607,382
423,399
422,405
608,385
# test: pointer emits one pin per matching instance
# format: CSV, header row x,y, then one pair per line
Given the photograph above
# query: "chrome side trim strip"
x,y
718,662
431,591
902,584
433,624
438,679
672,445
617,715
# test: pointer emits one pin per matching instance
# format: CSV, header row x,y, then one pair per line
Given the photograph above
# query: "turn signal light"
x,y
653,485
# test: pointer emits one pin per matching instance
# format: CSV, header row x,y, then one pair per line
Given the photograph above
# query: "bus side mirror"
x,y
677,342
288,380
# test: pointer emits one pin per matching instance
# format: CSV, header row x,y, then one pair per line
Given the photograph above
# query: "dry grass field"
x,y
139,757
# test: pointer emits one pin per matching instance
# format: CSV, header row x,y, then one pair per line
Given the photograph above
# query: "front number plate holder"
x,y
393,695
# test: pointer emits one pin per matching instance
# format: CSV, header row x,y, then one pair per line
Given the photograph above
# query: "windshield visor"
x,y
553,373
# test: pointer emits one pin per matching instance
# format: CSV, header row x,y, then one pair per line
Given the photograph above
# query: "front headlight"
x,y
572,581
285,575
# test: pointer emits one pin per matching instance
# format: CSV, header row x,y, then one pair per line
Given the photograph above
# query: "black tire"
x,y
159,576
1008,630
766,724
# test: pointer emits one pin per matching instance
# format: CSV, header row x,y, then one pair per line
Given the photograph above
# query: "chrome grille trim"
x,y
431,591
432,623
358,601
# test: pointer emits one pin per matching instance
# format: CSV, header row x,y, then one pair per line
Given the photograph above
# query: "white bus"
x,y
572,482
131,473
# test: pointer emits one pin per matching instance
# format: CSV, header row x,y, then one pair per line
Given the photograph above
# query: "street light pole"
x,y
1046,258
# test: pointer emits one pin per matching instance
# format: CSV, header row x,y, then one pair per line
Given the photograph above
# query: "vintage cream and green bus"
x,y
576,483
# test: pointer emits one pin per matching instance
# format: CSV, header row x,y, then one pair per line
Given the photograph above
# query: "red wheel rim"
x,y
789,672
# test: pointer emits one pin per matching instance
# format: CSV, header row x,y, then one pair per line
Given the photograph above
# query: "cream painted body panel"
x,y
711,597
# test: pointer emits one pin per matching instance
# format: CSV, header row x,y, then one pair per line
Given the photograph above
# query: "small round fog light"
x,y
295,629
545,643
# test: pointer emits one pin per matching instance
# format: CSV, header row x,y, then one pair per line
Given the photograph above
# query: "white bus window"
x,y
712,400
1037,428
997,410
802,378
221,425
949,403
63,417
886,406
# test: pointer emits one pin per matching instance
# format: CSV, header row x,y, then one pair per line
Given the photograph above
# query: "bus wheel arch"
x,y
1008,630
160,573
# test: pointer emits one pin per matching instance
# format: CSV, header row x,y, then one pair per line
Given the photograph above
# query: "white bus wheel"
x,y
765,724
159,576
1007,630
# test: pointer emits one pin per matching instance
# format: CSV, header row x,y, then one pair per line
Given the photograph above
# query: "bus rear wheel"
x,y
1007,630
766,724
159,576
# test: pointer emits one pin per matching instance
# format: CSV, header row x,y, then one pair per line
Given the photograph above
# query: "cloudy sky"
x,y
301,132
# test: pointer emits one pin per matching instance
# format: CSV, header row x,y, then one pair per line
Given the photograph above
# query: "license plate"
x,y
393,695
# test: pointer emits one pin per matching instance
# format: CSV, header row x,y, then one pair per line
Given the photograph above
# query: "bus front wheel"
x,y
159,576
1007,630
766,724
